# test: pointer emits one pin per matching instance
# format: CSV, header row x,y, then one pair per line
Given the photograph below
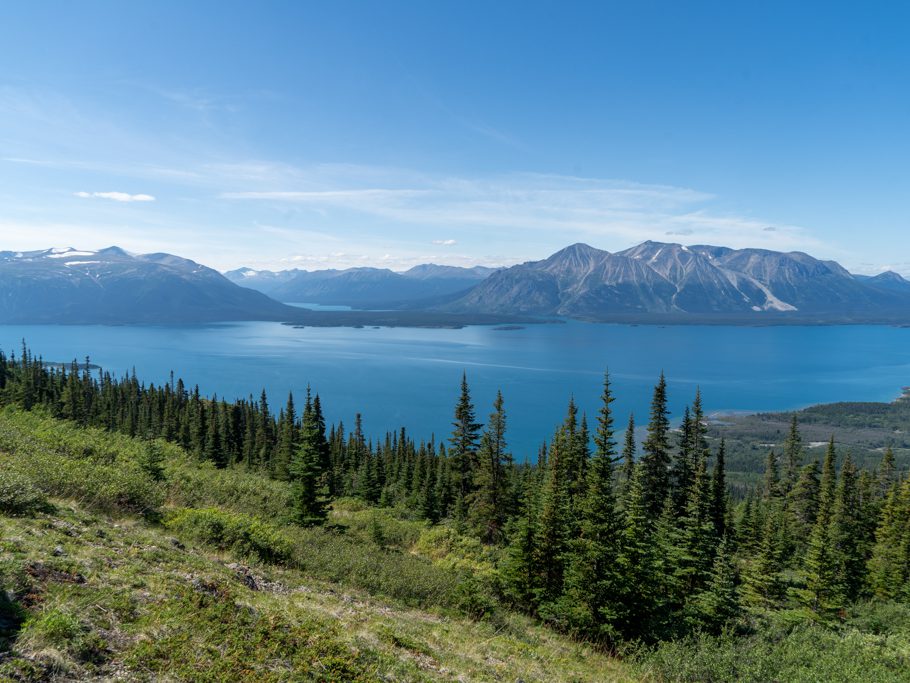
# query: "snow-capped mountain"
x,y
113,286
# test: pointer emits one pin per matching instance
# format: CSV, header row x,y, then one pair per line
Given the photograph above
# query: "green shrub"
x,y
197,485
238,533
60,631
95,468
780,651
18,496
402,576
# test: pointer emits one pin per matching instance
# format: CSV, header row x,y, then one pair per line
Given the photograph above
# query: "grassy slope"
x,y
100,589
197,576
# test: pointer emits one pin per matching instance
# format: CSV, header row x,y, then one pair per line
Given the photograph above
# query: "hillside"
x,y
671,282
118,570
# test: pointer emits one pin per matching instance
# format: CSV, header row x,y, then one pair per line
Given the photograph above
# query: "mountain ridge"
x,y
670,279
363,287
112,285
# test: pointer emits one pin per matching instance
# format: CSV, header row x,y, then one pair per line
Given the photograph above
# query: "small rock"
x,y
177,544
58,551
244,575
208,588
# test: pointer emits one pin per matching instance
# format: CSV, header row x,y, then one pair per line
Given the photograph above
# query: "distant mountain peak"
x,y
890,276
660,278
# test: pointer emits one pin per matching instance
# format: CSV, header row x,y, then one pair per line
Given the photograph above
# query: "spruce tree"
x,y
889,565
771,482
464,441
793,455
682,471
719,491
802,505
554,523
519,572
847,537
307,470
819,563
640,583
287,440
655,461
593,583
487,502
628,453
887,472
719,603
699,539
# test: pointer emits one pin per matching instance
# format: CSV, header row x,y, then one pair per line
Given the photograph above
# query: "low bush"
x,y
238,533
18,496
781,651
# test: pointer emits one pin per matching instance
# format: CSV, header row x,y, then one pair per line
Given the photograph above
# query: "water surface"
x,y
409,377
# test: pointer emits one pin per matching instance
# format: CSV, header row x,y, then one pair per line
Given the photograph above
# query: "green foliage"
x,y
210,638
868,648
655,461
87,465
307,469
18,496
57,630
243,535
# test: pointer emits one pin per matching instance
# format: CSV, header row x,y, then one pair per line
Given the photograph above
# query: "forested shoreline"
x,y
598,539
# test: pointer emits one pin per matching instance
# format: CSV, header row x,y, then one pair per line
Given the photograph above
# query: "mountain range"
x,y
652,282
672,281
422,286
114,286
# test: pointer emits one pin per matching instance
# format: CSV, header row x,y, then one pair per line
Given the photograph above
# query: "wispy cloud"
x,y
611,213
116,196
446,243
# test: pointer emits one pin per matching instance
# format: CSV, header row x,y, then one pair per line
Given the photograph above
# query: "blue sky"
x,y
294,134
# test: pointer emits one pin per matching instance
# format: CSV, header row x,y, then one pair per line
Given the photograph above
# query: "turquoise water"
x,y
410,377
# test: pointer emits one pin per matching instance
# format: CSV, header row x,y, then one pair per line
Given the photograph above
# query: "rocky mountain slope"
x,y
671,280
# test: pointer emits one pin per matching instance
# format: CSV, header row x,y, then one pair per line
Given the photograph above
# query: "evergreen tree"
x,y
802,505
212,450
771,482
520,572
287,440
488,499
819,562
699,539
762,578
464,441
793,455
682,471
655,461
887,472
719,492
719,603
848,548
307,470
628,454
554,521
889,565
641,579
592,577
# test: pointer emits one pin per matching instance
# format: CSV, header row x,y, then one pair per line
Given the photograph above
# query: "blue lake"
x,y
410,377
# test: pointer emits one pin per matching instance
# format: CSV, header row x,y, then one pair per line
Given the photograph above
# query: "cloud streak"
x,y
115,196
611,213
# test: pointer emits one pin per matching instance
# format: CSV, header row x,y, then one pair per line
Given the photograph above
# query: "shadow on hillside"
x,y
11,618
